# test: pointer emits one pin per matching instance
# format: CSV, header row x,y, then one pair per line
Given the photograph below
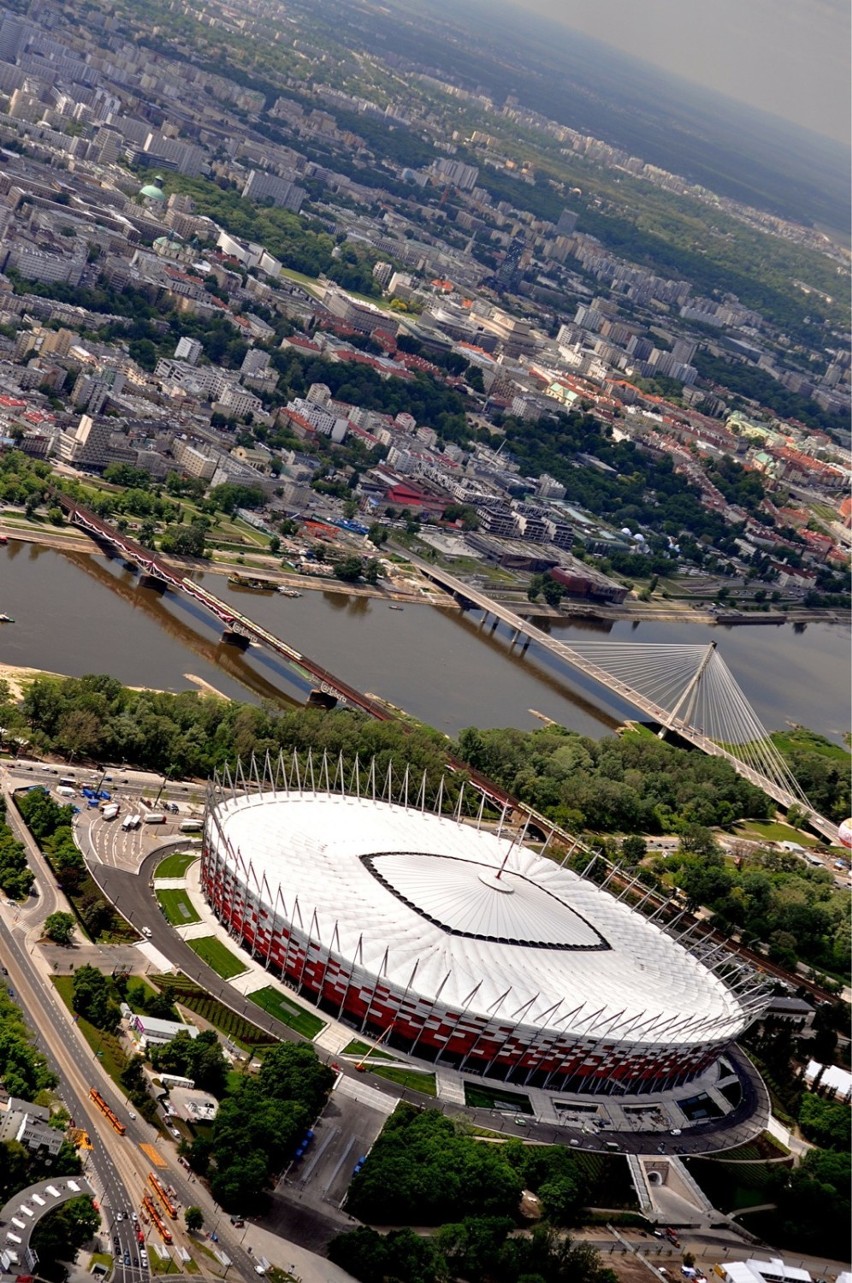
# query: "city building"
x,y
29,1124
89,445
456,172
260,186
152,1032
188,350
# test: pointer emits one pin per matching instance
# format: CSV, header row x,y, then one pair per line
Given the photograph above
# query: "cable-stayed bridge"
x,y
687,690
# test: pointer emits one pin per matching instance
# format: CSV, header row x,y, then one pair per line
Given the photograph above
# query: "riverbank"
x,y
19,677
405,586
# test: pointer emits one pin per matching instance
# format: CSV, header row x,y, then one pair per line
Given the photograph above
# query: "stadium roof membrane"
x,y
415,898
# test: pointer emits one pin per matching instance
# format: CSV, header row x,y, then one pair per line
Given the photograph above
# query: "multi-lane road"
x,y
117,1165
71,1061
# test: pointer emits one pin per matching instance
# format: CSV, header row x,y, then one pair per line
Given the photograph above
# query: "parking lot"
x,y
134,793
352,1120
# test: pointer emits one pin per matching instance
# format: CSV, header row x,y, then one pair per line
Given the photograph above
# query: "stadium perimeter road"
x,y
132,894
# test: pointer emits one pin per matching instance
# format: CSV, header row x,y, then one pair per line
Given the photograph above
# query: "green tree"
x,y
194,1218
349,569
61,1233
93,998
825,1122
59,927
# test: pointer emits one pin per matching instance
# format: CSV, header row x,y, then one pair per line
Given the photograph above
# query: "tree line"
x,y
50,825
426,1169
259,1125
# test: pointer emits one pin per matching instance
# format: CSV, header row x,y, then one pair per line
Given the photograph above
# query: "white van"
x,y
65,790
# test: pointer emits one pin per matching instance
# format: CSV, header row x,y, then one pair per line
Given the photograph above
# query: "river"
x,y
79,614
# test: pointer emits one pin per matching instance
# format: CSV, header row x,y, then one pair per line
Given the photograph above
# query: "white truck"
x,y
110,812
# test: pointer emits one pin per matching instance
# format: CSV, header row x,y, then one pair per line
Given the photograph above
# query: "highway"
x,y
118,1167
71,1061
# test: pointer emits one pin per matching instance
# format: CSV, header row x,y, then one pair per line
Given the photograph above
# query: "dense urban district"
x,y
301,294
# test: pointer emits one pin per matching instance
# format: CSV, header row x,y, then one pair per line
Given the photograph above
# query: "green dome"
x,y
153,191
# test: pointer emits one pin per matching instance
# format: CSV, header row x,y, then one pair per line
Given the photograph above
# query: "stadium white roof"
x,y
414,897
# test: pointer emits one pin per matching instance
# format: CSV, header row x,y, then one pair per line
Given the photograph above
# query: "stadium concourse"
x,y
466,952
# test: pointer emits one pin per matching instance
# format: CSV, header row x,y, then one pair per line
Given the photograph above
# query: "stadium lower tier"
x,y
465,1040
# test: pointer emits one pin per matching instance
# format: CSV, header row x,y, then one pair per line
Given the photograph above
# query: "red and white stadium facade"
x,y
458,945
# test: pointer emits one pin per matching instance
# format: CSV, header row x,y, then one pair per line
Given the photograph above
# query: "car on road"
x,y
126,1258
675,1131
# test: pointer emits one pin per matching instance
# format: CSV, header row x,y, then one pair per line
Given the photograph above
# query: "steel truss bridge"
x,y
685,690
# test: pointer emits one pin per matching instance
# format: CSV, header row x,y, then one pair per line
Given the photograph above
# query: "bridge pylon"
x,y
685,706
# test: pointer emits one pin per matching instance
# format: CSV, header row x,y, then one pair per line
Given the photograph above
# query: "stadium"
x,y
457,944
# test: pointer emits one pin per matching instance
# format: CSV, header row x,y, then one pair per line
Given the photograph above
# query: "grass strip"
x,y
216,955
175,865
289,1013
177,907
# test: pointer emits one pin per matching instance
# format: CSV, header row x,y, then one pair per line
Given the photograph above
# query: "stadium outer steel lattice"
x,y
396,921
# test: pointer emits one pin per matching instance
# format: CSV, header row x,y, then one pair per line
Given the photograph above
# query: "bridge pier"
x,y
238,640
495,623
322,699
153,581
525,646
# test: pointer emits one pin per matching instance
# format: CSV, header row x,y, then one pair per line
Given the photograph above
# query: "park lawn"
x,y
216,955
177,907
810,741
772,831
176,865
635,730
411,1078
763,1147
105,1047
158,1266
289,1013
480,1097
310,282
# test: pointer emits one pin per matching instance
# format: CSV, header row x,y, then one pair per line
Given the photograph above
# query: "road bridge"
x,y
238,628
609,664
762,765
